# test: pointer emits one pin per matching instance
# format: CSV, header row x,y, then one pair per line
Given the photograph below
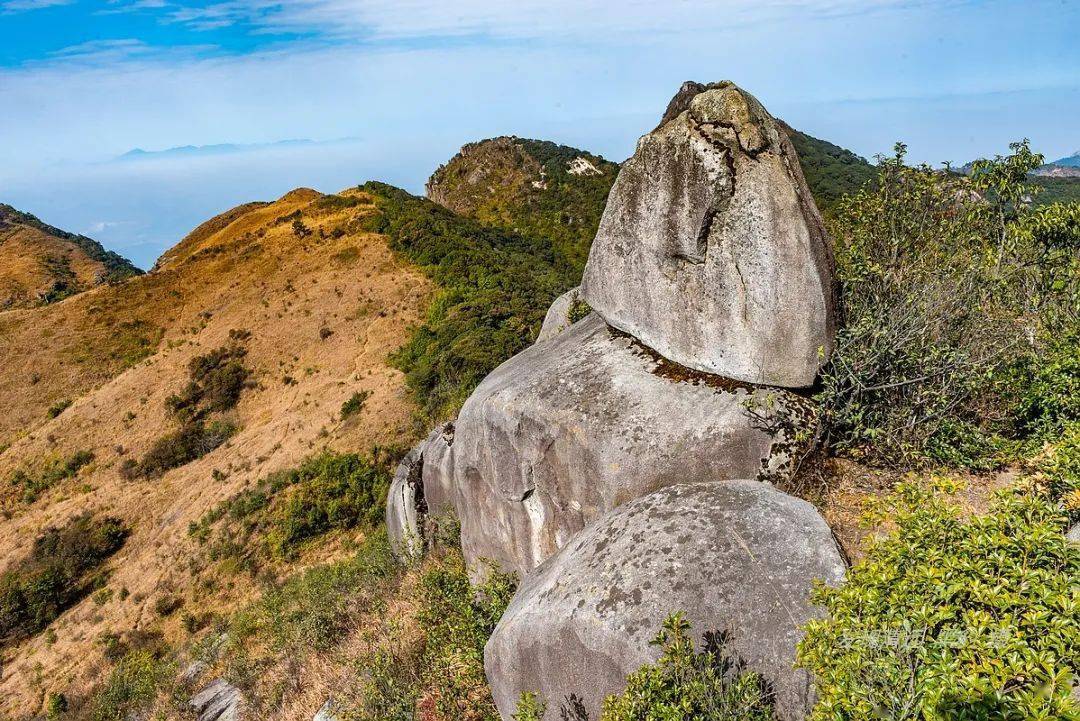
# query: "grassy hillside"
x,y
259,343
40,264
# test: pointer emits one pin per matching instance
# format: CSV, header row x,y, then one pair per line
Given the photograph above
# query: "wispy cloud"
x,y
522,19
14,6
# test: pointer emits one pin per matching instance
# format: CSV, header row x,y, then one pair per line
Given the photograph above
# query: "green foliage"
x,y
496,287
354,404
314,610
529,708
287,509
216,381
59,407
55,471
131,686
331,492
949,288
953,618
58,571
56,706
192,440
831,171
579,310
690,685
441,675
1057,190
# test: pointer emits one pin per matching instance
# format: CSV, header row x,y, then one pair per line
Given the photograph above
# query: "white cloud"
x,y
13,6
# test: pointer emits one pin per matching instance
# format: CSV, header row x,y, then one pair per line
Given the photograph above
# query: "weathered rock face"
x,y
711,250
219,701
405,506
736,556
582,423
558,317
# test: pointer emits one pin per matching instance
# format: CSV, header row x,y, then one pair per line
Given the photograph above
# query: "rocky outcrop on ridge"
x,y
711,250
735,556
598,464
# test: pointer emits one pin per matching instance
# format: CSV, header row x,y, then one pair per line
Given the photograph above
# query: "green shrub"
x,y
354,404
286,509
55,471
193,440
331,491
131,686
495,288
216,381
947,285
58,572
690,685
953,618
441,676
314,610
59,407
56,706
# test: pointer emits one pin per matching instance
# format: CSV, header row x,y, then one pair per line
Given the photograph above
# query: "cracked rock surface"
x,y
736,556
711,250
582,423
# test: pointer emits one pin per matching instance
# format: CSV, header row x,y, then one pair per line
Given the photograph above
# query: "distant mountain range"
x,y
221,149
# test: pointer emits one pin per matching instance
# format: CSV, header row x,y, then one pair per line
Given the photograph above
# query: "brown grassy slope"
x,y
322,310
37,260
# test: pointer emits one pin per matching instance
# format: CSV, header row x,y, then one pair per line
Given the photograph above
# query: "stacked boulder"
x,y
622,465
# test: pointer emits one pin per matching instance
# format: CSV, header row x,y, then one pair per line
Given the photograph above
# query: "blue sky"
x,y
388,89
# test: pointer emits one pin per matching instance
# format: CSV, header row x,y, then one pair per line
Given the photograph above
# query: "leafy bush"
x,y
59,407
690,685
131,686
947,284
193,440
58,572
58,469
331,492
441,674
216,382
286,509
354,404
953,618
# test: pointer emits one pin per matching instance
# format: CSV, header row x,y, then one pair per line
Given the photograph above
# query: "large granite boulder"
x,y
711,250
734,556
584,422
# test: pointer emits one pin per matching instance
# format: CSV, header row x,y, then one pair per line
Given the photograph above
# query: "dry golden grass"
x,y
322,311
23,275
